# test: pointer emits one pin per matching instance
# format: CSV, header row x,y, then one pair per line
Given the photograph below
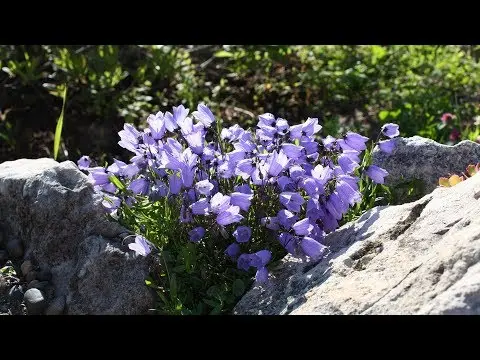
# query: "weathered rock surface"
x,y
416,258
55,213
417,158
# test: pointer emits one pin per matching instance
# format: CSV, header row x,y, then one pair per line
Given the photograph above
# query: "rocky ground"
x,y
25,289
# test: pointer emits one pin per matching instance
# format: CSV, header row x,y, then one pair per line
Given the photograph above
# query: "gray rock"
x,y
32,275
2,238
16,293
416,258
15,248
26,267
34,301
56,307
59,217
44,275
36,284
425,161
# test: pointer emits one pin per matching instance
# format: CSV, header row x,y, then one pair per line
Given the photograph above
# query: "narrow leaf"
x,y
116,181
58,130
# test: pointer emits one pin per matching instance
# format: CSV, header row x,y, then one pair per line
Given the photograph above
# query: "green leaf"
x,y
210,302
116,181
173,288
382,115
58,130
223,54
238,287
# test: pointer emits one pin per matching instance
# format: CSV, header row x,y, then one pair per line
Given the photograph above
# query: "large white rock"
x,y
54,211
416,258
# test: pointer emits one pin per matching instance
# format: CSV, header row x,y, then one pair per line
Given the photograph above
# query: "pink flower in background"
x,y
454,135
446,117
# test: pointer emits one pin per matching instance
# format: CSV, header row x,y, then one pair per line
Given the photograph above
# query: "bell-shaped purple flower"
x,y
262,275
311,127
288,241
129,137
329,142
285,183
286,218
242,233
244,168
98,176
229,216
303,227
109,187
84,162
270,222
175,183
377,174
244,189
196,234
195,140
329,221
241,200
219,203
314,210
311,247
292,151
387,146
260,258
311,186
390,130
346,193
204,115
348,166
296,171
243,262
356,141
266,119
139,186
277,162
156,124
204,187
140,246
201,207
173,120
233,250
291,200
111,203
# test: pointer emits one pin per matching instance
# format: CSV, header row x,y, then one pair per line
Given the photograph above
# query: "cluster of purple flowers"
x,y
217,176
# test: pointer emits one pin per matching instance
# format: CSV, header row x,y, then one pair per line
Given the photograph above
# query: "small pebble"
x,y
26,267
36,284
56,307
15,248
32,275
44,275
16,292
34,301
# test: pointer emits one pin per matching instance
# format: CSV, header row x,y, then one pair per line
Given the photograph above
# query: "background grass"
x,y
347,87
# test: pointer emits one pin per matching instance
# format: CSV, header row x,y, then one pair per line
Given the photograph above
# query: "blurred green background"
x,y
347,87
